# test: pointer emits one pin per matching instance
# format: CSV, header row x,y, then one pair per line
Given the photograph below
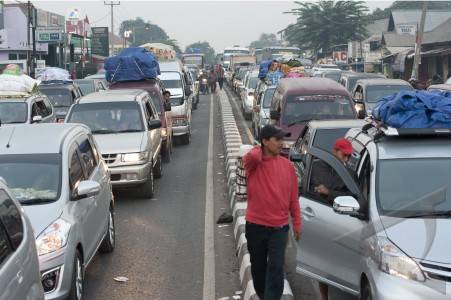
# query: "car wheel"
x,y
366,292
158,168
147,189
167,157
109,241
78,277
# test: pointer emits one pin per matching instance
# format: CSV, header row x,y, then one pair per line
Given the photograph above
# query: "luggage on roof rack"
x,y
415,109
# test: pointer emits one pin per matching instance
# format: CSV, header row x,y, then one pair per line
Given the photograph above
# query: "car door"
x,y
154,134
329,245
94,172
84,209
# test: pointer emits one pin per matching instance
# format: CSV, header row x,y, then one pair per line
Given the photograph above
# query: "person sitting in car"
x,y
326,181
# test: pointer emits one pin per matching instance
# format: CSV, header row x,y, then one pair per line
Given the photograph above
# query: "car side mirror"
x,y
167,106
274,114
154,124
346,205
87,188
36,119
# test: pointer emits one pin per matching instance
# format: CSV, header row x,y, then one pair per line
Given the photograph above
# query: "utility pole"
x,y
112,4
28,38
419,40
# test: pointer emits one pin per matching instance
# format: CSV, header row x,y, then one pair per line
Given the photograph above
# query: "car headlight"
x,y
135,157
287,144
394,262
53,238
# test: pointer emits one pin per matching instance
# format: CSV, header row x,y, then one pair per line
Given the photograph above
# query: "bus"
x,y
279,52
230,51
259,55
197,59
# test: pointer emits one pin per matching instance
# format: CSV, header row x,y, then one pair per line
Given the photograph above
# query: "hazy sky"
x,y
221,23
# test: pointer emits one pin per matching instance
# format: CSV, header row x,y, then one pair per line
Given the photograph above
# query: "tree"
x,y
143,32
206,49
265,40
324,24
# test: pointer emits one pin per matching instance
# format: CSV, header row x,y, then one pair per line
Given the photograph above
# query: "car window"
x,y
75,171
42,109
87,156
11,219
5,249
149,110
48,106
322,173
35,110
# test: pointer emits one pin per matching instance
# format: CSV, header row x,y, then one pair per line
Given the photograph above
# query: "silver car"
x,y
260,115
247,94
19,265
26,109
180,104
384,231
126,126
56,173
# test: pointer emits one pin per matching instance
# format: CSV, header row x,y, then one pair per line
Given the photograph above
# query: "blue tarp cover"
x,y
415,109
131,64
264,68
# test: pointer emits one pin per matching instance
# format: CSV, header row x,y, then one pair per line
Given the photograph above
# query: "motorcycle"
x,y
204,86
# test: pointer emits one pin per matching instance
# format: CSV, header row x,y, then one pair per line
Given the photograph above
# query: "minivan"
x,y
299,100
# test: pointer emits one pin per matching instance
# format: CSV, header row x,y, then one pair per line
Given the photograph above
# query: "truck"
x,y
197,59
242,60
161,51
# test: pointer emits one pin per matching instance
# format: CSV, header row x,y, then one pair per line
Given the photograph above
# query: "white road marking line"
x,y
209,242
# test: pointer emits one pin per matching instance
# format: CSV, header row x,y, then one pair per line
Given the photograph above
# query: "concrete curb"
x,y
232,142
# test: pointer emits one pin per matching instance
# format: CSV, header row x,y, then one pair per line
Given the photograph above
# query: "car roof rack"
x,y
50,82
381,130
14,94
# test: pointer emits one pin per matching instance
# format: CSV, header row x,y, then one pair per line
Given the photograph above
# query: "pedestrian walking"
x,y
220,76
272,189
212,78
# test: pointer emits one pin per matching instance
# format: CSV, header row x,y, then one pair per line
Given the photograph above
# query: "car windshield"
x,y
377,92
108,117
32,178
87,87
13,112
316,107
268,97
59,97
172,84
412,187
252,84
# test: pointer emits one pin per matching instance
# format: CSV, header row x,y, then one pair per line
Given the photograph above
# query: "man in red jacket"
x,y
272,190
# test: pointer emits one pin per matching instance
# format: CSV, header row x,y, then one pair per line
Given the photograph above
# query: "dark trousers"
x,y
221,82
266,247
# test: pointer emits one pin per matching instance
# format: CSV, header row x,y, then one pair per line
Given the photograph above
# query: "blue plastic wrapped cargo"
x,y
415,109
131,64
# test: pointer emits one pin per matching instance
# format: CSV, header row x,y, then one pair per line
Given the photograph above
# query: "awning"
x,y
433,52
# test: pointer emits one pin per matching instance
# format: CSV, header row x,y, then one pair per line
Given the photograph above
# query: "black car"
x,y
62,95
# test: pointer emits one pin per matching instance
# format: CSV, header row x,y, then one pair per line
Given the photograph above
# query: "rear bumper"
x,y
180,130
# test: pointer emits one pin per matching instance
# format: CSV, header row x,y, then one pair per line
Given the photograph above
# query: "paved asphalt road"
x,y
160,241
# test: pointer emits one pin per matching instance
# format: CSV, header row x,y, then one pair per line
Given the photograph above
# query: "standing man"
x,y
212,78
220,76
272,190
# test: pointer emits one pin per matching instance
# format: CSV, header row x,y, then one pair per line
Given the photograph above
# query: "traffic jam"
x,y
267,171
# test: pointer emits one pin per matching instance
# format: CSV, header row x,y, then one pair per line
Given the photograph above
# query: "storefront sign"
x,y
100,41
45,35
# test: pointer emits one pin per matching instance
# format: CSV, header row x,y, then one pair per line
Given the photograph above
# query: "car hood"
x,y
428,238
121,142
175,92
41,216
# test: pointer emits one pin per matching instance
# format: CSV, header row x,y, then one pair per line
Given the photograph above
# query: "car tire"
x,y
78,278
366,292
167,153
158,168
147,189
109,241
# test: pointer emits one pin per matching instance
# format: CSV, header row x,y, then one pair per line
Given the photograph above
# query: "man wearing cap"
x,y
272,190
328,183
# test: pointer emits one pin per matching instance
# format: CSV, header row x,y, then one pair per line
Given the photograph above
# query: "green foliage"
x,y
146,32
265,40
321,25
206,49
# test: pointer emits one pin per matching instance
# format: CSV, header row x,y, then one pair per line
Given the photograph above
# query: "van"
x,y
299,100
